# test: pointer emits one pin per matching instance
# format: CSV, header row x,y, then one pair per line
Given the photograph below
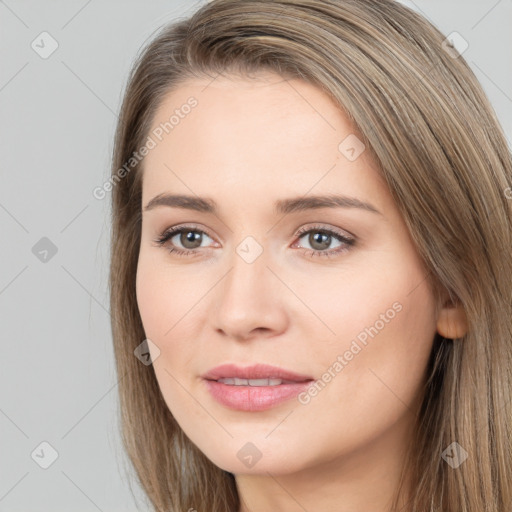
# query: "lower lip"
x,y
254,398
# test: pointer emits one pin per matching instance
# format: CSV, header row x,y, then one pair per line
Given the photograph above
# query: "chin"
x,y
248,459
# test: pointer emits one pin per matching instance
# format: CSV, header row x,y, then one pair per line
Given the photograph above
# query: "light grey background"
x,y
57,120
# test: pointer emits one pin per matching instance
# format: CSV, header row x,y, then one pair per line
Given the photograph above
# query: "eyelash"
x,y
171,232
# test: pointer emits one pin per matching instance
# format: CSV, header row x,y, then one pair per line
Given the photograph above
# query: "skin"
x,y
250,142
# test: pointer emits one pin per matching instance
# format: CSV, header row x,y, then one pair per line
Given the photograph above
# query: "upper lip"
x,y
256,371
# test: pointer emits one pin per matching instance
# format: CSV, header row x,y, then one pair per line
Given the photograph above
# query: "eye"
x,y
320,238
189,237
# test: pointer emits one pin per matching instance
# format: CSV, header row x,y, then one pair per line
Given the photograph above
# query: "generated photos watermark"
x,y
344,359
152,141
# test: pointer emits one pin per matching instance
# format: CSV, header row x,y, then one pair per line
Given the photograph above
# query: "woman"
x,y
312,246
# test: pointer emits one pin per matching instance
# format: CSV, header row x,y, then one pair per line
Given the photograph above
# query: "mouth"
x,y
254,375
254,382
254,388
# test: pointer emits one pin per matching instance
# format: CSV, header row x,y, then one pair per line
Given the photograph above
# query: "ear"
x,y
452,321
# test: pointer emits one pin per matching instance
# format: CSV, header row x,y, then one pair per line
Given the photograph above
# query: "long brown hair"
x,y
444,156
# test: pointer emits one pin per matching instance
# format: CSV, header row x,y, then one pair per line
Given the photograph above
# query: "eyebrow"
x,y
282,206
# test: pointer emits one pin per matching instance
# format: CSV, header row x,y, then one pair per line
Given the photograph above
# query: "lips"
x,y
254,372
253,388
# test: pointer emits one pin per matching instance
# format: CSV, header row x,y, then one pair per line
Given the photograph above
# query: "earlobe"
x,y
452,321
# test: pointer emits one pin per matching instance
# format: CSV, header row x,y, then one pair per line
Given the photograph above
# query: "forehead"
x,y
264,134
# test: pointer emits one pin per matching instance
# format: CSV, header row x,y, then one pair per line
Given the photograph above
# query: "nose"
x,y
250,300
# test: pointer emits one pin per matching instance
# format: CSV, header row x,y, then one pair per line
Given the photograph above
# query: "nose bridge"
x,y
248,269
247,299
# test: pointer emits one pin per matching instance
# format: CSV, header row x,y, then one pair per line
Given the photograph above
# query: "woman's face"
x,y
336,294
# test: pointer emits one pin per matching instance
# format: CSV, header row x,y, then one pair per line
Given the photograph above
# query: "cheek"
x,y
381,352
370,293
383,319
151,298
163,304
164,296
168,304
